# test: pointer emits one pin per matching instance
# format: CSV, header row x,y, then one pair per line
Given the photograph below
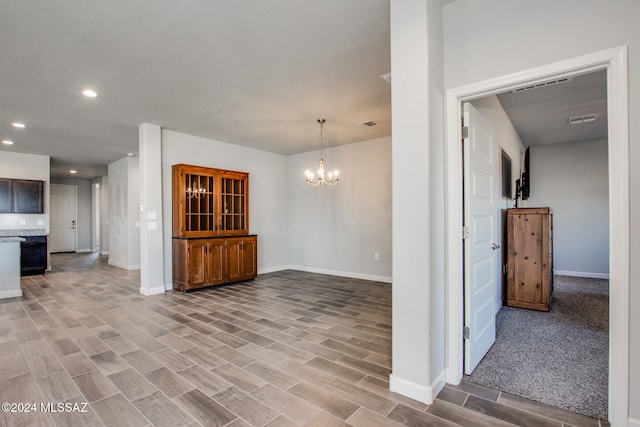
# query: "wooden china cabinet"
x,y
211,240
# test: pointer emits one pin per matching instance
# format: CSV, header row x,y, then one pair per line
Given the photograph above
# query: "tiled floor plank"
x,y
161,411
331,403
117,411
289,348
464,417
246,407
505,413
411,417
204,409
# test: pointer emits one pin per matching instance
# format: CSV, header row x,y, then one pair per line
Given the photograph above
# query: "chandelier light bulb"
x,y
332,177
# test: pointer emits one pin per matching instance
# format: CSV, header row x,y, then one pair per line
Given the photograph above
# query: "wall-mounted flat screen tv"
x,y
525,185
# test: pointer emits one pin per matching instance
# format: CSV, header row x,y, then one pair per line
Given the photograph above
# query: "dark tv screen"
x,y
526,174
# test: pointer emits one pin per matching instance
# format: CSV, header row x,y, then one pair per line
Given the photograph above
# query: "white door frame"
x,y
615,61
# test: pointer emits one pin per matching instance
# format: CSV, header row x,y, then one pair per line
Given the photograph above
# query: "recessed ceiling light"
x,y
89,93
73,171
131,154
7,142
18,125
386,77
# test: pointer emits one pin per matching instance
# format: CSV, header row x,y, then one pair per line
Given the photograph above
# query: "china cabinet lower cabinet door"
x,y
199,263
216,262
241,258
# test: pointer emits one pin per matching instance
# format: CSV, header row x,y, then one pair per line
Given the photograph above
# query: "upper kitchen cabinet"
x,y
28,196
6,196
21,196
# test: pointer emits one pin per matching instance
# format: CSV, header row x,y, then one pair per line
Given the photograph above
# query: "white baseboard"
x,y
124,266
152,291
273,269
374,278
11,294
581,274
104,252
633,422
83,250
419,392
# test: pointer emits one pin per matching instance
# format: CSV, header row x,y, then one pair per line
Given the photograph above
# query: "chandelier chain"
x,y
332,177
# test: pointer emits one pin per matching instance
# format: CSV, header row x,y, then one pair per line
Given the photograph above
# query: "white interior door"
x,y
62,236
480,255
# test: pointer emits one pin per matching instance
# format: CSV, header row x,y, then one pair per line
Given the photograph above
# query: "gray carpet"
x,y
558,357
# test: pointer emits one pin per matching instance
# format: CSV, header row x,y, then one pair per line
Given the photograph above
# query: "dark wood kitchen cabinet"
x,y
6,195
28,196
21,196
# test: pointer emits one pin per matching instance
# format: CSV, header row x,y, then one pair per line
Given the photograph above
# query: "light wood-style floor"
x,y
287,349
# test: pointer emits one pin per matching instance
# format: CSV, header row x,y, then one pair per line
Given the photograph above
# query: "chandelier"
x,y
331,177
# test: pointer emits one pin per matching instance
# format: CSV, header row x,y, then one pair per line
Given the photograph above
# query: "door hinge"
x,y
465,332
465,132
465,232
505,268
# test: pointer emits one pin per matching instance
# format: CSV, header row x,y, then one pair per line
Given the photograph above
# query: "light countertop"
x,y
12,239
24,232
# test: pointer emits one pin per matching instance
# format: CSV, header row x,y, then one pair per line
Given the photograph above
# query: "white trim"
x,y
383,279
104,252
374,278
273,269
615,61
152,291
78,251
421,393
11,294
580,274
633,422
126,267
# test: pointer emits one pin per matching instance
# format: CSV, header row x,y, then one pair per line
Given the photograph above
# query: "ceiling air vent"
x,y
542,84
578,120
369,123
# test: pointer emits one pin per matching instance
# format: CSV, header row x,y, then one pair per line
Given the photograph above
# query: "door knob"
x,y
494,246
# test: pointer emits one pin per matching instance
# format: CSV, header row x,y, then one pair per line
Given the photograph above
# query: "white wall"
x,y
572,179
418,349
333,230
124,235
26,166
268,203
506,139
104,213
83,220
492,38
337,230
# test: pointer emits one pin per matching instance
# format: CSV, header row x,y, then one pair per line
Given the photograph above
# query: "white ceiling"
x,y
540,115
251,72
